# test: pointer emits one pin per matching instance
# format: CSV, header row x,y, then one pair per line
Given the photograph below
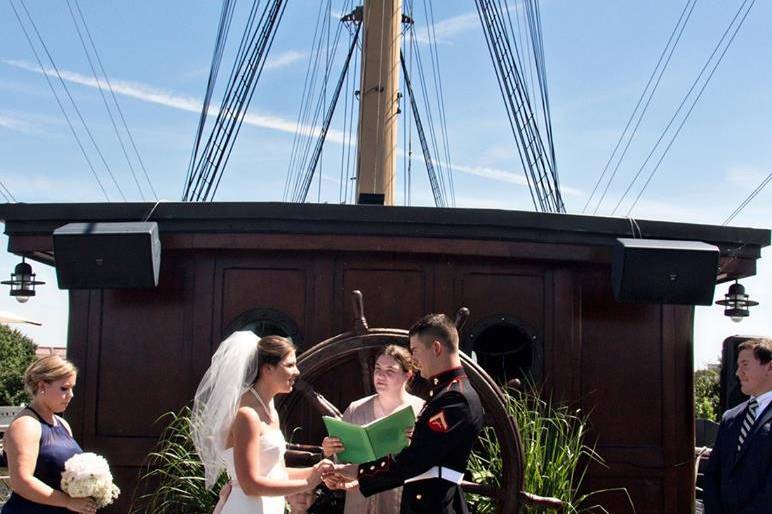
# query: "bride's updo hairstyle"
x,y
271,350
46,370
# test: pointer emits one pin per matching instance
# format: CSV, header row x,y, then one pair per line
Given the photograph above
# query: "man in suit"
x,y
431,468
738,478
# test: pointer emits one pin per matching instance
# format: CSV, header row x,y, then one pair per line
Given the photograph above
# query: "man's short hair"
x,y
437,327
761,348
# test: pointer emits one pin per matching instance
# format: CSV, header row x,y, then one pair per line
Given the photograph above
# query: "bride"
x,y
236,426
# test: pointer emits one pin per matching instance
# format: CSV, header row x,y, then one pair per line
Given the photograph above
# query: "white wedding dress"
x,y
272,448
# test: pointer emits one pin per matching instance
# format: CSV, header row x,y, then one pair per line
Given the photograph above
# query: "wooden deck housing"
x,y
542,280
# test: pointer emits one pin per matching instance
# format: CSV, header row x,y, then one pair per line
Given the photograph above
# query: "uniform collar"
x,y
442,379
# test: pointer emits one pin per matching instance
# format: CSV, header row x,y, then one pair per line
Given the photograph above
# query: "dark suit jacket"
x,y
740,483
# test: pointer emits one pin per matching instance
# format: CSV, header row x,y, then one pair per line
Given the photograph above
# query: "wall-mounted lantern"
x,y
736,303
22,282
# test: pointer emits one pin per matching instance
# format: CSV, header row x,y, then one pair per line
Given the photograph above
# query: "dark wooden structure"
x,y
538,287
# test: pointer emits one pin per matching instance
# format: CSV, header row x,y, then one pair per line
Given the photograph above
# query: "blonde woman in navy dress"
x,y
38,443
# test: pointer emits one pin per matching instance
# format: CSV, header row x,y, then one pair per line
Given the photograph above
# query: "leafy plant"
x,y
18,353
555,454
706,393
172,482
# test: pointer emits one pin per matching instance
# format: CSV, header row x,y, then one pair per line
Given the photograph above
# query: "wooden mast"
x,y
379,102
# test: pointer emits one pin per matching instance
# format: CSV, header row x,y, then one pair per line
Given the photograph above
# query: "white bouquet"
x,y
88,474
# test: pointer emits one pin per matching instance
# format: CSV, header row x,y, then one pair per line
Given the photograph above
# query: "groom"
x,y
432,467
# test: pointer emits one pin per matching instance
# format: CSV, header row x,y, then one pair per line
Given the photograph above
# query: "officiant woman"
x,y
393,369
38,443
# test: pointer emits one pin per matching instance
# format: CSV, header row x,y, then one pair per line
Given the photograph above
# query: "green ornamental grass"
x,y
555,454
172,482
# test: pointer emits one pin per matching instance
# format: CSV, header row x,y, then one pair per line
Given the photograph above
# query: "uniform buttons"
x,y
431,393
383,464
418,496
372,467
361,471
436,381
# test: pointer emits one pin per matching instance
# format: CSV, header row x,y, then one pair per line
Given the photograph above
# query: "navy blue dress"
x,y
56,446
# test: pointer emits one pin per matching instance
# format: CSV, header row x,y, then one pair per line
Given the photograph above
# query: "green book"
x,y
374,440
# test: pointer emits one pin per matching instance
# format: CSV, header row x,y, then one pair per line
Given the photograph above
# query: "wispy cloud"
x,y
158,96
166,98
285,59
15,124
445,29
746,177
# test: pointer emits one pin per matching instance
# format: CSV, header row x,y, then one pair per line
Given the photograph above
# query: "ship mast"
x,y
379,102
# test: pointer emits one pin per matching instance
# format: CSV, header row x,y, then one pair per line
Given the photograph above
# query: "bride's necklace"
x,y
262,404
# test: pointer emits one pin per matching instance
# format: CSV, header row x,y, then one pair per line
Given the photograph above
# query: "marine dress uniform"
x,y
433,465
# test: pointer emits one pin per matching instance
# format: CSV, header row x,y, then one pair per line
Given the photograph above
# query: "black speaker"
x,y
107,255
662,271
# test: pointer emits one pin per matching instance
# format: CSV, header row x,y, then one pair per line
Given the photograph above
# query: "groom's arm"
x,y
439,430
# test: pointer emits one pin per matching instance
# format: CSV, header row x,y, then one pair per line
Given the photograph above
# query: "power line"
x,y
117,105
691,108
58,101
637,105
748,199
104,99
6,193
72,100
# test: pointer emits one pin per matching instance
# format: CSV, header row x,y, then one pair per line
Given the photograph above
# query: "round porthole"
x,y
267,322
505,349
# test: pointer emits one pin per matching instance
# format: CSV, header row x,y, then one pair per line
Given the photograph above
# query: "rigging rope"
x,y
255,45
669,50
748,199
683,102
56,96
104,99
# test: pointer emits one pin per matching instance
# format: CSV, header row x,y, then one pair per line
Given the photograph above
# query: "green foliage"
x,y
173,480
18,352
555,454
706,393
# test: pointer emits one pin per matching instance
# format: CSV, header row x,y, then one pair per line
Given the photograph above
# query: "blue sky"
x,y
599,56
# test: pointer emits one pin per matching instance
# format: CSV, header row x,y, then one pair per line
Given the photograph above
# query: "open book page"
x,y
373,440
388,435
355,441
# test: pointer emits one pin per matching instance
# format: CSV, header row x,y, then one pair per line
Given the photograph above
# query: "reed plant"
x,y
556,454
172,481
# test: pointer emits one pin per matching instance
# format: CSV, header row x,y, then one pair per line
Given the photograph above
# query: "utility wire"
x,y
58,101
661,69
72,100
9,198
688,113
104,99
117,105
748,199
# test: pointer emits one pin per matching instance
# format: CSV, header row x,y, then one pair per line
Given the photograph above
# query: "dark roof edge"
x,y
220,217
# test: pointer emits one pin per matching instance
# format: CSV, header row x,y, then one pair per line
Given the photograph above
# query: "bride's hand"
x,y
320,470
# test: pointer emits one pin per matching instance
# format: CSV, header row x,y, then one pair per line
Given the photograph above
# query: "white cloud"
x,y
445,29
15,124
747,177
492,174
285,59
168,99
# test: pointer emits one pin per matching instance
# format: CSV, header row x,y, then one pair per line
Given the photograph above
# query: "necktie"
x,y
750,417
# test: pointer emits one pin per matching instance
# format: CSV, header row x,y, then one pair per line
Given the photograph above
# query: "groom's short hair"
x,y
437,327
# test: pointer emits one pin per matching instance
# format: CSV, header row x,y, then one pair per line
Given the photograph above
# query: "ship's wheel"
x,y
319,361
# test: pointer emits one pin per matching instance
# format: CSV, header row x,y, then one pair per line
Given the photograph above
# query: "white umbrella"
x,y
9,317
